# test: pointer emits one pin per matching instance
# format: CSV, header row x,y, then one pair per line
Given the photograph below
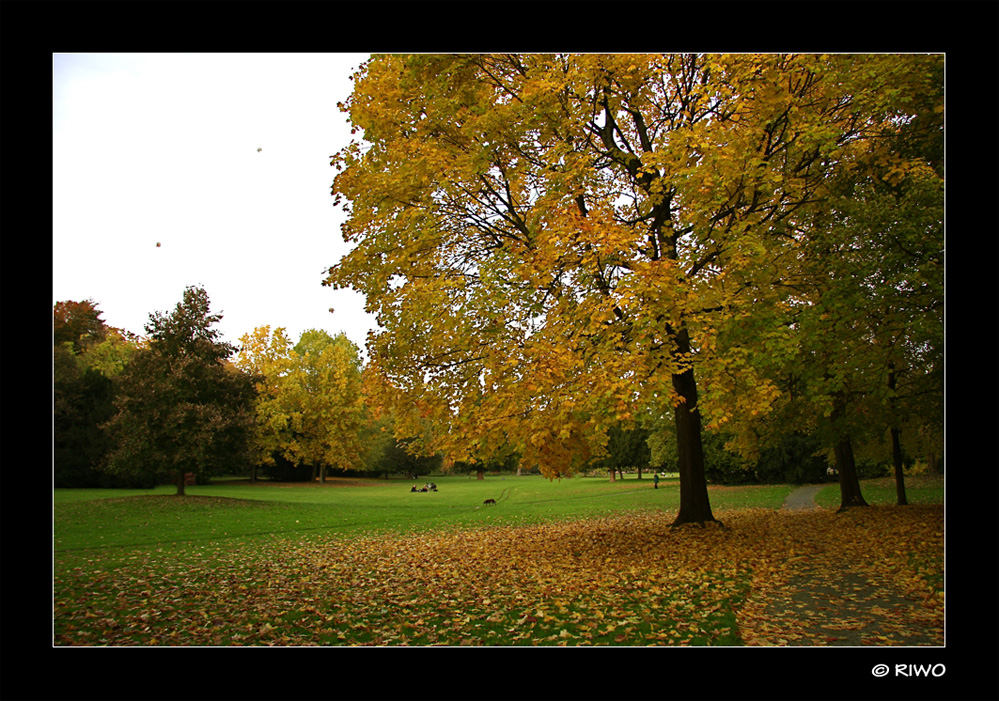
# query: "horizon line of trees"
x,y
134,412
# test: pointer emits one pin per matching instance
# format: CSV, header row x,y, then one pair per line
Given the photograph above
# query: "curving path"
x,y
825,602
803,498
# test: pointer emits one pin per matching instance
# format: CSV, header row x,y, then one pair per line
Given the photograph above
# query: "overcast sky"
x,y
163,148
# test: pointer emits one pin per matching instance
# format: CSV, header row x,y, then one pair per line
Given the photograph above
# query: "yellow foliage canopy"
x,y
540,235
309,403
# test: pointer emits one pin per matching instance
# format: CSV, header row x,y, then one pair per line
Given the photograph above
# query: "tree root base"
x,y
707,523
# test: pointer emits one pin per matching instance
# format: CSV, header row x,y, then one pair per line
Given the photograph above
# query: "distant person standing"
x,y
655,481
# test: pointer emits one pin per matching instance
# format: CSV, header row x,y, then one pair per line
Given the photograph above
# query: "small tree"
x,y
180,406
325,390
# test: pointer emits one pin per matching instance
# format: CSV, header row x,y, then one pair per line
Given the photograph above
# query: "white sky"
x,y
162,148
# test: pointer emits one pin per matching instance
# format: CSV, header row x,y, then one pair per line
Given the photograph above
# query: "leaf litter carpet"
x,y
869,576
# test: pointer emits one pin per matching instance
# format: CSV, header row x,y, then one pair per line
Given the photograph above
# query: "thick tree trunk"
x,y
849,485
695,507
480,475
181,479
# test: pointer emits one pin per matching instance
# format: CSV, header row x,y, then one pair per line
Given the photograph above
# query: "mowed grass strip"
x,y
98,518
353,568
919,489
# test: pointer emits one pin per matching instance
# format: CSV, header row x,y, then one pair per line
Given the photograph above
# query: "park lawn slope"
x,y
94,518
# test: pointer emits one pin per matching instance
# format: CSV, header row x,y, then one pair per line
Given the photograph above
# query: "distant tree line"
x,y
180,404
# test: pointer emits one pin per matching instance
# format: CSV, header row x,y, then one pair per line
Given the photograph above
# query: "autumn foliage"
x,y
308,405
556,243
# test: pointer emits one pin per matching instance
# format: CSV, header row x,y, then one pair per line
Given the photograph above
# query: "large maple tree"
x,y
553,243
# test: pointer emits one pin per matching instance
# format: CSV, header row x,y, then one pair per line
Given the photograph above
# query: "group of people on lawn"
x,y
428,487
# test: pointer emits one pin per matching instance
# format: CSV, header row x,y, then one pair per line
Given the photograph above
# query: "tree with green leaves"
x,y
86,357
309,406
854,348
627,447
82,400
180,406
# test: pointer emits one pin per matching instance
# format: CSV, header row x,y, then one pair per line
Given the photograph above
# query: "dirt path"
x,y
802,498
852,609
834,599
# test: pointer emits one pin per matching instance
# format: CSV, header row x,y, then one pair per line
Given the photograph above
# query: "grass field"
x,y
240,509
367,562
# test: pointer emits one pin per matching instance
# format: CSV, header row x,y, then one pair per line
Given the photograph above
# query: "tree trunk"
x,y
613,475
936,466
480,474
896,458
181,479
849,485
896,447
695,507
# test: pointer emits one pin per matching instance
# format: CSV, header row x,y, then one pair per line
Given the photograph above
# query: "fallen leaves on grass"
x,y
869,576
767,578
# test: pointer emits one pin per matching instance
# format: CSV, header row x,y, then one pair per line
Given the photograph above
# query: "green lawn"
x,y
98,518
919,489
